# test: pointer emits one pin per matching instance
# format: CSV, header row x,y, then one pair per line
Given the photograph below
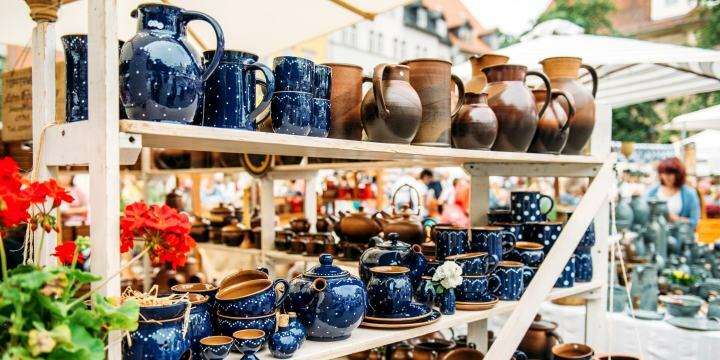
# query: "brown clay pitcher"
x,y
552,130
475,125
514,105
391,111
432,80
345,98
477,83
563,74
540,339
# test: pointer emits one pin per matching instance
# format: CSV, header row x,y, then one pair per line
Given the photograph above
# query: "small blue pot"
x,y
215,347
476,263
227,325
158,340
294,74
477,288
163,312
446,302
251,298
323,82
248,342
389,290
511,280
283,344
320,121
208,290
291,112
567,277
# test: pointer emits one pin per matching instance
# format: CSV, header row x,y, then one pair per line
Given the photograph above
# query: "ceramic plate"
x,y
480,305
648,315
689,323
426,321
414,313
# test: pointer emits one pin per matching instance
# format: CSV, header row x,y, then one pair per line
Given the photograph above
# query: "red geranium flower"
x,y
66,252
57,193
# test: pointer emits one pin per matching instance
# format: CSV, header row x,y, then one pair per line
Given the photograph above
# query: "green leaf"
x,y
82,277
56,307
85,318
31,280
123,317
17,353
61,333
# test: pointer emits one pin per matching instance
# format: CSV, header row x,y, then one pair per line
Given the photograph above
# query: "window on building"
x,y
422,18
379,46
464,33
353,36
402,49
441,28
371,41
418,51
396,48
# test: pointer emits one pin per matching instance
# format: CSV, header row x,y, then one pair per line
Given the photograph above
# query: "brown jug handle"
x,y
377,90
548,91
557,337
461,94
593,75
571,108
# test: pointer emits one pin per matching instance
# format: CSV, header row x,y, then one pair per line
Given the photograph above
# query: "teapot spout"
x,y
319,285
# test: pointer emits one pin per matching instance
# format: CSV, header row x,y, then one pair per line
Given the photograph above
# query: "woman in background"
x,y
683,202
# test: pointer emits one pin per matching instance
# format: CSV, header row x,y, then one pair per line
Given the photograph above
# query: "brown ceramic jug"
x,y
552,129
514,105
391,111
475,125
540,339
345,98
563,74
432,80
478,62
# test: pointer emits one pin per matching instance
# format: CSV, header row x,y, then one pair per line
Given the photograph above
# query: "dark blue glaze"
x,y
477,288
425,292
320,121
76,78
516,229
294,74
389,290
490,239
206,289
519,355
529,253
545,233
528,274
567,276
511,280
414,311
393,252
475,264
450,241
296,328
583,264
291,112
199,325
431,267
227,325
256,304
499,216
215,347
588,239
525,206
330,302
153,340
283,344
445,301
249,346
163,312
323,82
161,76
230,91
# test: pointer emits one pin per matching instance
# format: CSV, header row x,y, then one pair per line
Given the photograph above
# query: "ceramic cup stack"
x,y
583,256
301,104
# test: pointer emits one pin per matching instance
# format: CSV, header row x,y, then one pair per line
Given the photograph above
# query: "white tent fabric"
x,y
631,71
262,27
708,118
707,151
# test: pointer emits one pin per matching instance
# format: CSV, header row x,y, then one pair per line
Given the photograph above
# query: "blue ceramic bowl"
x,y
227,325
215,347
320,122
291,112
293,74
163,312
689,305
251,298
248,341
208,290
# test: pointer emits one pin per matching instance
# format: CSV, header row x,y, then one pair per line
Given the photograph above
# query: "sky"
x,y
510,16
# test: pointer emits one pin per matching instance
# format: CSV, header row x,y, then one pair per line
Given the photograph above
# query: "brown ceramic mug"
x,y
345,98
432,349
572,351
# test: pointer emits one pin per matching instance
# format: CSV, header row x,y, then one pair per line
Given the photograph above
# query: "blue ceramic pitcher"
x,y
161,75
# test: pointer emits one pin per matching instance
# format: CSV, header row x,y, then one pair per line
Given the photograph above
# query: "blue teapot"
x,y
329,301
393,253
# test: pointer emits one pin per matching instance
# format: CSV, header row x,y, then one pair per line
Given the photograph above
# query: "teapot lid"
x,y
393,243
542,325
326,268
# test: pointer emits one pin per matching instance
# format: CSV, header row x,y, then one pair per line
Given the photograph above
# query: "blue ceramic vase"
x,y
200,323
283,344
296,328
588,239
425,292
161,75
389,290
445,301
157,340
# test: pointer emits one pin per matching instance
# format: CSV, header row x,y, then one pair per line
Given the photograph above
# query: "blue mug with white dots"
x,y
525,206
294,73
291,112
567,276
511,275
545,233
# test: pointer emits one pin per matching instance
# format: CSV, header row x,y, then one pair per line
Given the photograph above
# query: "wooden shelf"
x,y
364,339
225,248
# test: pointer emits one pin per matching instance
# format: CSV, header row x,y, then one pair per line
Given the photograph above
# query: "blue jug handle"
x,y
269,85
188,16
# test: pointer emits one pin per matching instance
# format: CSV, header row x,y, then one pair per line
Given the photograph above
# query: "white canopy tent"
x,y
631,71
707,151
708,118
262,27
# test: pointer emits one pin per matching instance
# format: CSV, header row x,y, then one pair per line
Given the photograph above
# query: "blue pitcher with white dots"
x,y
525,206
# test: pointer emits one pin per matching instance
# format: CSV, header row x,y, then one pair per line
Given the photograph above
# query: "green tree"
x,y
591,15
708,35
637,123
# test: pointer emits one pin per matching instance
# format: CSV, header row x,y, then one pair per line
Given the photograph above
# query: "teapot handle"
x,y
188,16
548,91
593,75
378,72
461,94
417,193
571,108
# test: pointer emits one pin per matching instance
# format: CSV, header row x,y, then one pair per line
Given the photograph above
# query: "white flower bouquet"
x,y
447,276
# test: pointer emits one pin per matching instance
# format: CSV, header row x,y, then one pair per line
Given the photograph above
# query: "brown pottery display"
x,y
358,227
478,62
465,353
432,349
563,74
475,125
552,129
540,339
300,225
572,351
391,111
404,222
432,80
232,234
514,105
616,357
199,230
345,98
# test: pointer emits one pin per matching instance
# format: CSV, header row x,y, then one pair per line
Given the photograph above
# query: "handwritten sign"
x,y
17,102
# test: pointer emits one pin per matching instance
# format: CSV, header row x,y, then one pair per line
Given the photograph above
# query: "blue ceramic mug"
x,y
230,91
477,288
475,264
529,253
516,228
323,82
291,112
389,290
499,216
251,298
450,240
588,239
511,280
492,239
294,73
528,274
525,206
567,276
320,121
545,233
583,264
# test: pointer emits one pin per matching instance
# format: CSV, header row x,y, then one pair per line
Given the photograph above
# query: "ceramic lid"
x,y
393,243
220,210
326,268
542,325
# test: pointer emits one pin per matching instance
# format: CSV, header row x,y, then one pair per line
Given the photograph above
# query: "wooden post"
x,y
105,154
479,207
267,212
310,201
